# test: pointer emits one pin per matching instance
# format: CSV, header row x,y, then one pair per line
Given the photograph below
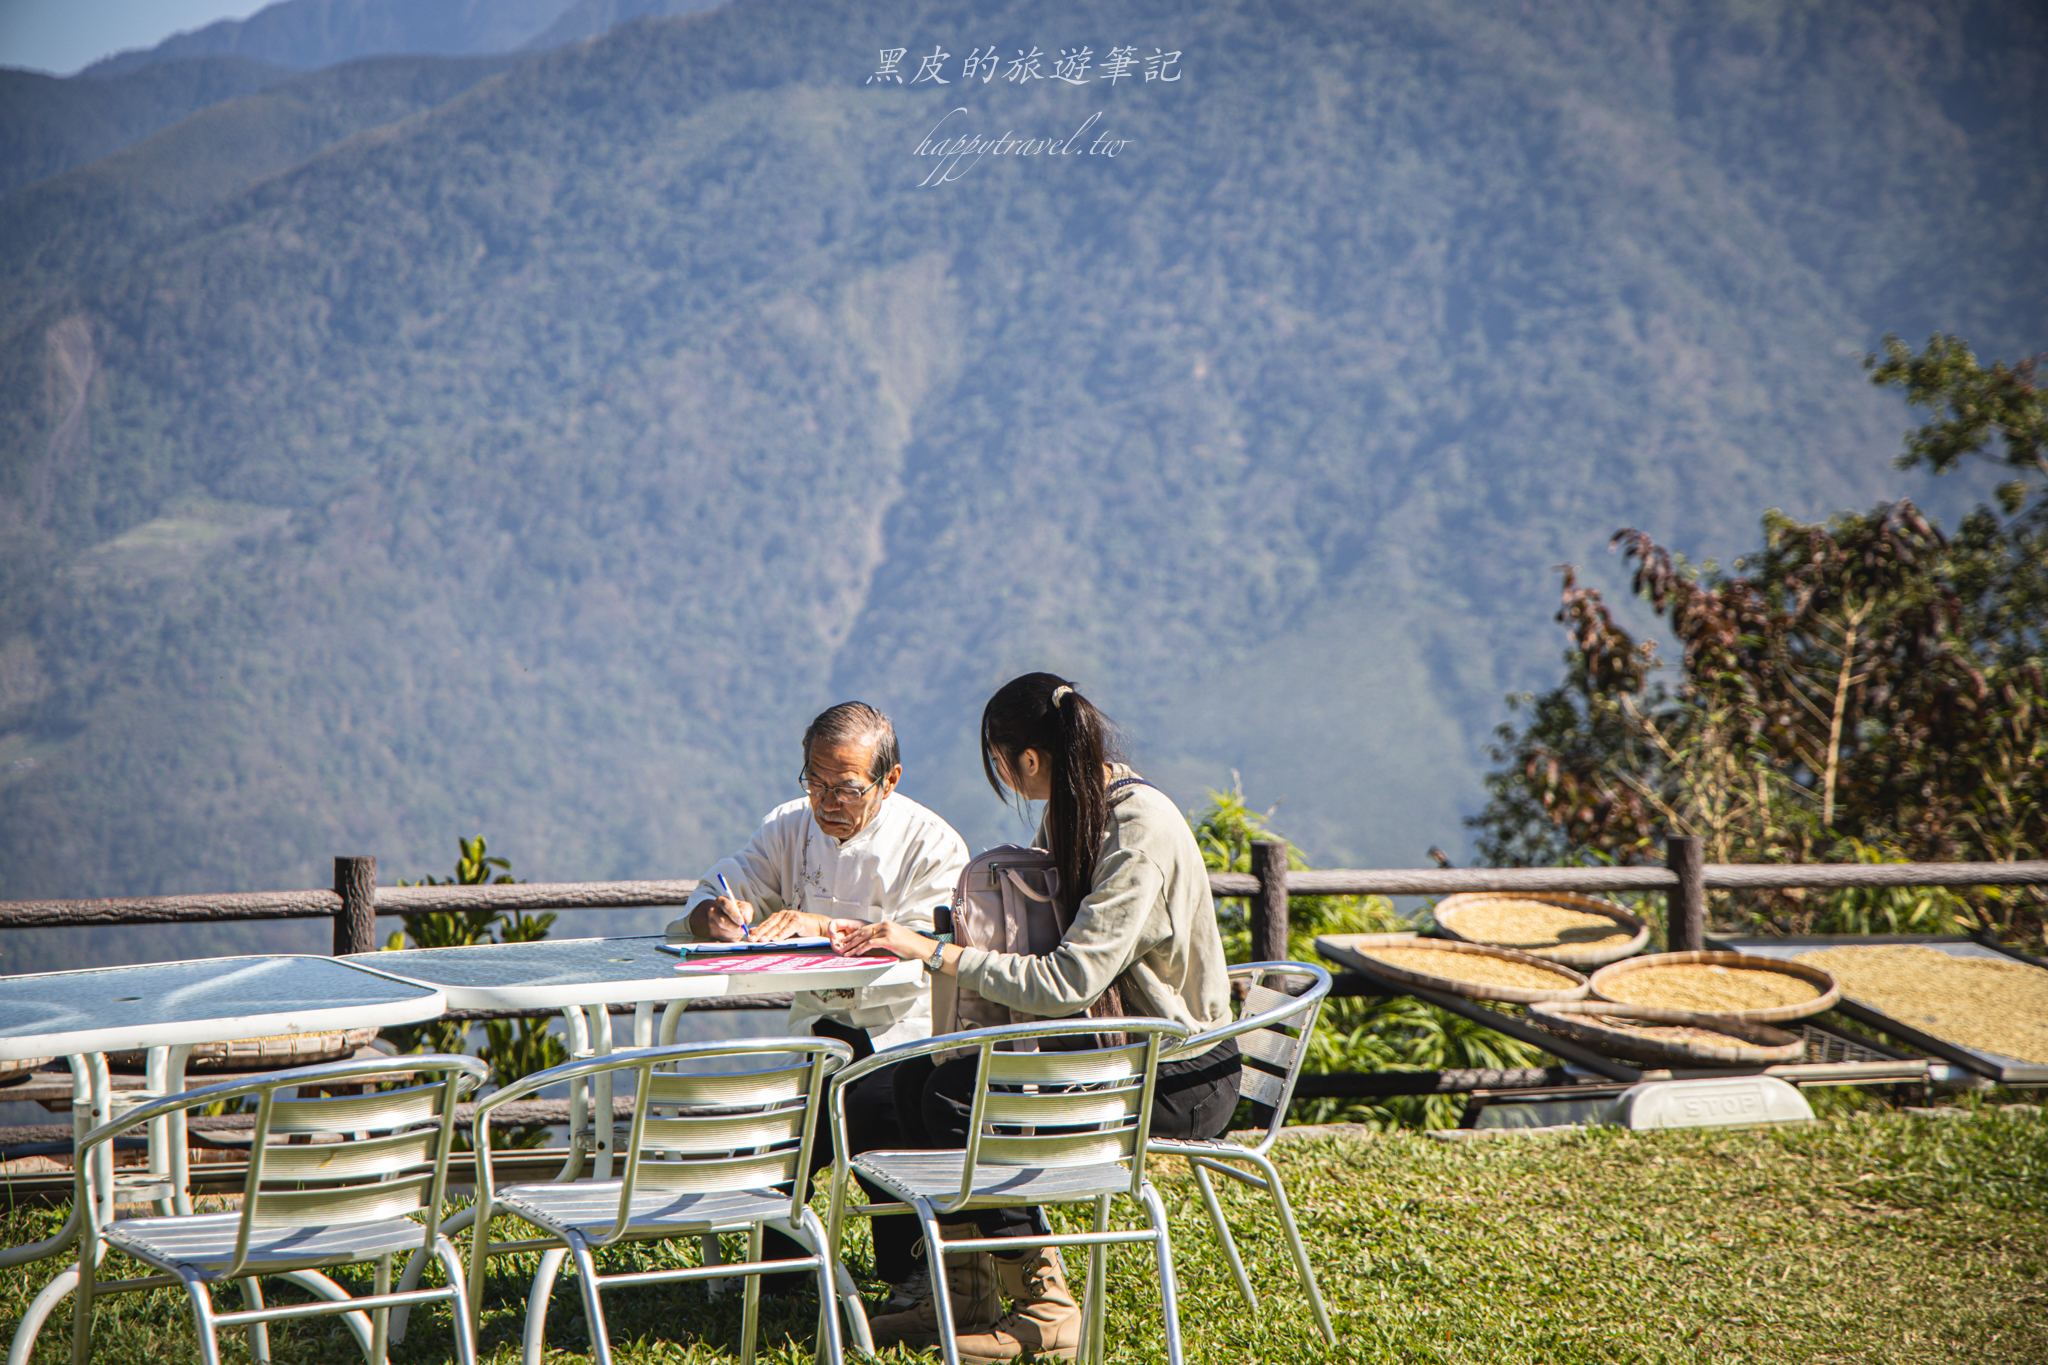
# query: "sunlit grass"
x,y
1863,1237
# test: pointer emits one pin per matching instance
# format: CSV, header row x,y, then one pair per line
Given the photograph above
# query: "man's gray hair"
x,y
855,722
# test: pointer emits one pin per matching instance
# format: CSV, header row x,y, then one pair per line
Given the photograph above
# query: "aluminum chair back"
x,y
350,1158
700,1126
320,1159
1281,1003
697,1130
1050,1108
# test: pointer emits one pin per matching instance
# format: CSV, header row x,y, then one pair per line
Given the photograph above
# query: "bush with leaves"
x,y
1355,1033
511,1047
1868,689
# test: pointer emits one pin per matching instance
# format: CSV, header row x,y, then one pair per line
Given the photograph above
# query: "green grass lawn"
x,y
1863,1237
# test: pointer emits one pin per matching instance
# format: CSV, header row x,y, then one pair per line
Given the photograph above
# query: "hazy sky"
x,y
61,36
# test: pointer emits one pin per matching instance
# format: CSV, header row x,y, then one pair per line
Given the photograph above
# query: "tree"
x,y
1869,688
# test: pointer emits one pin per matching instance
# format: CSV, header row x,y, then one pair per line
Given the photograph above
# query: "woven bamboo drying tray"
x,y
1620,980
264,1054
1617,1030
1359,947
21,1069
1458,916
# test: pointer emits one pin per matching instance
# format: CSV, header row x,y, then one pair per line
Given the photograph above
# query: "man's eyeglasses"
x,y
838,793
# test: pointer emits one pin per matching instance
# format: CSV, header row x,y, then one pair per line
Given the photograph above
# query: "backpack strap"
x,y
1025,889
1121,784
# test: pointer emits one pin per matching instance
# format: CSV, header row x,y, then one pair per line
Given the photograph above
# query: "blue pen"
x,y
746,931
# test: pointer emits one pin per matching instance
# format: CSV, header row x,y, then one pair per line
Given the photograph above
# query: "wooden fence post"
x,y
1685,908
1269,903
355,920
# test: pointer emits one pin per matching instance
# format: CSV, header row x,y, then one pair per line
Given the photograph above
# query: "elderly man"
x,y
851,848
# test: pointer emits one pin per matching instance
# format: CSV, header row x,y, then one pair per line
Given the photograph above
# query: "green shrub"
x,y
512,1047
1354,1033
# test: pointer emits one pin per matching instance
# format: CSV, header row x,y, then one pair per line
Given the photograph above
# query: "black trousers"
x,y
1191,1099
870,1124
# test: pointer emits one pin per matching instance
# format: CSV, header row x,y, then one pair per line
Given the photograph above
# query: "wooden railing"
x,y
355,901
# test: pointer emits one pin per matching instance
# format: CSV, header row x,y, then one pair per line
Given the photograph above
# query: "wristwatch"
x,y
937,959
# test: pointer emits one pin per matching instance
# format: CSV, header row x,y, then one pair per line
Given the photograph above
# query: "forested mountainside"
x,y
306,34
538,459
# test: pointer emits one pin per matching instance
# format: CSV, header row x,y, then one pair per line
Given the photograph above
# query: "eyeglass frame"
x,y
842,793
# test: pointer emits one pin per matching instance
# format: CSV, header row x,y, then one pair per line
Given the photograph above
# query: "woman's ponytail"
x,y
1045,712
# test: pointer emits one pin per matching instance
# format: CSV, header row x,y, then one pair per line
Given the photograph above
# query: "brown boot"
x,y
1043,1319
970,1279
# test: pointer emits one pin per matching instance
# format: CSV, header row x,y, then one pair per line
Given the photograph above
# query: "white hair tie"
x,y
1060,693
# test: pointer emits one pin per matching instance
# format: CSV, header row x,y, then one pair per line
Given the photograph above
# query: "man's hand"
x,y
885,936
791,924
723,919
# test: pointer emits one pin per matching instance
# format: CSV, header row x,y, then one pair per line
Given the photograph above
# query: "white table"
x,y
167,1007
583,977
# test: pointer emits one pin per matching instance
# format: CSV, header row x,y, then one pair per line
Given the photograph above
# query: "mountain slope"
x,y
78,227
538,464
308,34
588,18
49,124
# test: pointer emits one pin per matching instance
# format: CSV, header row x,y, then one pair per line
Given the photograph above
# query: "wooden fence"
x,y
356,900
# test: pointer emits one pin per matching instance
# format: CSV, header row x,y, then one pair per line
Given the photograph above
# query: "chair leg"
x,y
81,1305
1095,1303
356,1320
942,1293
1169,1293
713,1253
831,1347
1229,1243
750,1299
458,1301
415,1262
202,1317
259,1332
537,1302
479,1262
1294,1244
39,1309
593,1307
380,1318
850,1301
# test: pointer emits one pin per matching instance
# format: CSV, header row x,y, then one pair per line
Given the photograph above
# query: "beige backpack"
x,y
1007,901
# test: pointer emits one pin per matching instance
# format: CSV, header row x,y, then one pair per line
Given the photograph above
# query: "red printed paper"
x,y
785,962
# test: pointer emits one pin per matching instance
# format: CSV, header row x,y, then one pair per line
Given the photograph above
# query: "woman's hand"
x,y
790,924
884,936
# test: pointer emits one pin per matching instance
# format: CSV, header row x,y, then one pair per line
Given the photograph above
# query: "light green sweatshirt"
x,y
1149,915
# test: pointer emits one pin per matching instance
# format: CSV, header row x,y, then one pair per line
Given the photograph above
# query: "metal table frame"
x,y
582,978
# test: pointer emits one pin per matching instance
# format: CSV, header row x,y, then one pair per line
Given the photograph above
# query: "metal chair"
x,y
1272,1032
711,1150
332,1180
1047,1127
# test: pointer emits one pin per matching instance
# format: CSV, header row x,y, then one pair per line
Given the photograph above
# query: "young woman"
x,y
1143,920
